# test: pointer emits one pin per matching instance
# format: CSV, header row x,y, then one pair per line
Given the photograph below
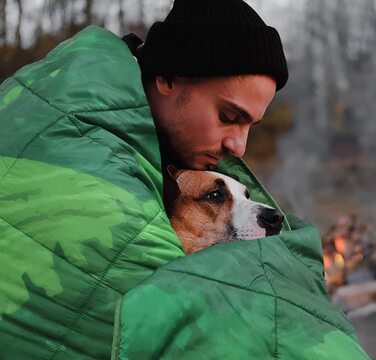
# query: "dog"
x,y
206,208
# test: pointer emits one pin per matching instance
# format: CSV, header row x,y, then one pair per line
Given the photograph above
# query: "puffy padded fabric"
x,y
81,215
262,299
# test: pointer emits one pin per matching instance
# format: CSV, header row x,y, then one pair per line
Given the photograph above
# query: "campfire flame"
x,y
335,269
339,260
344,249
340,244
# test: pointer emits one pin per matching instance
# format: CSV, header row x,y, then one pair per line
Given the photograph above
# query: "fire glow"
x,y
340,244
345,249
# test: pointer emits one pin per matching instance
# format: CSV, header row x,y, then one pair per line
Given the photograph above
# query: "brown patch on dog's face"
x,y
202,211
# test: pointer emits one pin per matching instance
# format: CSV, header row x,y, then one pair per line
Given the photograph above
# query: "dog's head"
x,y
207,208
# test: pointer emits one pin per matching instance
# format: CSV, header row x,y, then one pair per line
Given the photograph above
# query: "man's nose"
x,y
236,142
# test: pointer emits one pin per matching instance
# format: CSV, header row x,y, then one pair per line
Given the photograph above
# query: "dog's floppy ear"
x,y
172,171
170,186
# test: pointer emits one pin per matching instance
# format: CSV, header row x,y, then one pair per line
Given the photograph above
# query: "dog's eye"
x,y
215,196
247,194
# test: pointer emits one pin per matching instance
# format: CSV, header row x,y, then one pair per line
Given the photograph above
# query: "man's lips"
x,y
213,157
212,160
216,158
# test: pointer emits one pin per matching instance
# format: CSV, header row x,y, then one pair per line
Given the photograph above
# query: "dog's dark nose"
x,y
271,220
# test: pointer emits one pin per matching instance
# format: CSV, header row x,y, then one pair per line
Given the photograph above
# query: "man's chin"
x,y
200,162
211,167
203,165
196,166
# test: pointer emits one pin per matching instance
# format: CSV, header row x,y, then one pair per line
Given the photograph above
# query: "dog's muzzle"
x,y
271,220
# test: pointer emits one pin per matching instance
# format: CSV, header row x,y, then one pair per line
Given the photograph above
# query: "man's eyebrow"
x,y
243,112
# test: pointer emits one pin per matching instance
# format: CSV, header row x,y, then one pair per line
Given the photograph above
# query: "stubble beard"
x,y
173,149
181,157
169,153
177,155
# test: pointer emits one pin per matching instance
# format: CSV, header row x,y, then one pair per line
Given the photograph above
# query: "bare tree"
x,y
141,4
121,17
55,9
62,6
88,11
19,21
3,22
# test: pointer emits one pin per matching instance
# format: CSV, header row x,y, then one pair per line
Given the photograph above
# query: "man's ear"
x,y
164,85
171,189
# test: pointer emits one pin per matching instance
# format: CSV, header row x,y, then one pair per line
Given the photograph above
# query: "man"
x,y
82,220
204,83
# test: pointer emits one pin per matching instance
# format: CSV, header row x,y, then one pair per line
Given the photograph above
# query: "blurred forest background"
x,y
316,149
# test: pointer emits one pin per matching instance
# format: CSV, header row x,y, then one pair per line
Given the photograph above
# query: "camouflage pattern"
x,y
82,222
81,213
261,299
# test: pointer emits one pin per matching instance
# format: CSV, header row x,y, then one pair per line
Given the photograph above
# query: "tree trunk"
x,y
88,11
142,12
3,22
19,21
121,17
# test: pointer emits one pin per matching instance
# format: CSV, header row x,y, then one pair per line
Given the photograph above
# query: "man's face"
x,y
201,122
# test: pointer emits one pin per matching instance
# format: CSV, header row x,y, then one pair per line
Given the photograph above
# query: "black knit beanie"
x,y
205,38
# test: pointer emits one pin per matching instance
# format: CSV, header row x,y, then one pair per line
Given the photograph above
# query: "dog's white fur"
x,y
244,211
